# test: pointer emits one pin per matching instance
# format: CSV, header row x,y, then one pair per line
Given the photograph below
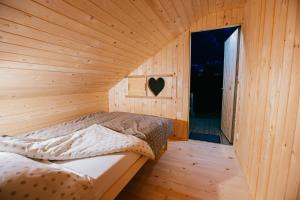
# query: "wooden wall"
x,y
174,59
31,113
45,77
268,111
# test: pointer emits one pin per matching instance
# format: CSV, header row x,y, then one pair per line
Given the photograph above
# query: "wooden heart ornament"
x,y
156,85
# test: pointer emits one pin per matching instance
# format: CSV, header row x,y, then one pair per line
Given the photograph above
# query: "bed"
x,y
84,170
110,172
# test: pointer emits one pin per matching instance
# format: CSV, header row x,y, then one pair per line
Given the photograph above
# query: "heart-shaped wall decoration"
x,y
156,85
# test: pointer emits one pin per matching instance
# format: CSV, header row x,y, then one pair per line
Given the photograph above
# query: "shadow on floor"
x,y
205,137
207,128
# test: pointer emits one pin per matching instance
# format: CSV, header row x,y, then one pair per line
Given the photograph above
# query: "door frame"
x,y
240,27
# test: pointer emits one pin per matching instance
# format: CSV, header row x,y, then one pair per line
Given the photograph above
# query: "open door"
x,y
229,85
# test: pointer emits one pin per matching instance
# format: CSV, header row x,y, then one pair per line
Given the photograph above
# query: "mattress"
x,y
104,170
153,130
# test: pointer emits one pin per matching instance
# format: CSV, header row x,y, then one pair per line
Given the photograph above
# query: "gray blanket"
x,y
153,130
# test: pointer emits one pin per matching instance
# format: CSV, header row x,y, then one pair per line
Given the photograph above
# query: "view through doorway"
x,y
214,58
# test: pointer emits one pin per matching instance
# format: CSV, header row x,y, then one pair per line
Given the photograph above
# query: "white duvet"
x,y
93,141
24,178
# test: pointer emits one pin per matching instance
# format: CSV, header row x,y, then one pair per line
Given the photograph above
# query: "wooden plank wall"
x,y
44,77
174,59
31,113
268,119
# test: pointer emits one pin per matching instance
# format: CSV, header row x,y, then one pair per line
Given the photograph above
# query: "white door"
x,y
229,84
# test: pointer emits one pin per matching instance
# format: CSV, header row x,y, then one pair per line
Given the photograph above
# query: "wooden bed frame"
x,y
119,185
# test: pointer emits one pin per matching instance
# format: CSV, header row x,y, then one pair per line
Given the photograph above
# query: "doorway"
x,y
214,59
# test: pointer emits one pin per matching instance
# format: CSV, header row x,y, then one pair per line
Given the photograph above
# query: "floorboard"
x,y
190,170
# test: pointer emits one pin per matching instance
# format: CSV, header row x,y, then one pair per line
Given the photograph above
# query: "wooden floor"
x,y
190,170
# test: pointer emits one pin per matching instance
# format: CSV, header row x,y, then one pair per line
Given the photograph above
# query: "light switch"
x,y
178,115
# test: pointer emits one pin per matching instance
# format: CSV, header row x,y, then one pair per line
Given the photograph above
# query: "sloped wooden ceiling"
x,y
87,45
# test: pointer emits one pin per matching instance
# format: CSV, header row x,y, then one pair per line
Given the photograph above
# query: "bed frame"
x,y
118,186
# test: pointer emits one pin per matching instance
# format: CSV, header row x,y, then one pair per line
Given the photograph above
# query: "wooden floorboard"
x,y
190,170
